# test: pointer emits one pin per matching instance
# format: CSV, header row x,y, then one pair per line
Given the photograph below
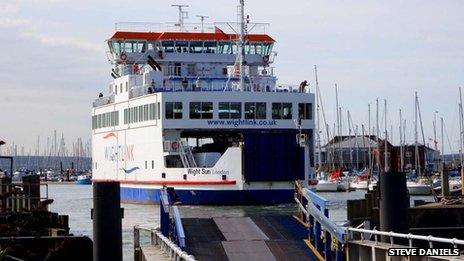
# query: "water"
x,y
76,201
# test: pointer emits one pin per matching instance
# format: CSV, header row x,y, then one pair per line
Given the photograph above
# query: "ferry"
x,y
197,107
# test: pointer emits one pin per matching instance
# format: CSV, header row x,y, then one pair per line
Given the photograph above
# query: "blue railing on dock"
x,y
325,238
171,226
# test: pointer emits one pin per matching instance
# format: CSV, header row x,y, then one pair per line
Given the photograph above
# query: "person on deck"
x,y
303,85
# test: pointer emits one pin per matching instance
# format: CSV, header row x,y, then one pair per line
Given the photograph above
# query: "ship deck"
x,y
269,237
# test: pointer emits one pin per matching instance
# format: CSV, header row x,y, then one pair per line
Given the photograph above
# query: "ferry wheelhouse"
x,y
197,108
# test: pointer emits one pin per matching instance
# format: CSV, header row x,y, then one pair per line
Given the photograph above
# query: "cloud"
x,y
62,41
6,22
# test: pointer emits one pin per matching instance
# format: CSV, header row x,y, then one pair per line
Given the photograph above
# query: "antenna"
x,y
202,18
182,15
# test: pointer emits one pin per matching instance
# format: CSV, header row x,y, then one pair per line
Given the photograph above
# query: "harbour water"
x,y
76,201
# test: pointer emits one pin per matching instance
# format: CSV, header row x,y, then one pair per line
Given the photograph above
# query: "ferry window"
x,y
260,110
152,112
140,112
117,47
259,48
195,110
196,47
247,48
126,120
173,110
177,69
146,165
141,47
152,164
235,110
115,89
201,110
286,110
305,111
207,110
181,46
267,48
210,47
158,111
224,47
281,110
128,48
168,46
120,88
230,110
277,110
145,112
250,110
127,87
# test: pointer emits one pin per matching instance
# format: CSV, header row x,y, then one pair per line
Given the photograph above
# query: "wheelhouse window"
x,y
305,111
224,47
282,110
210,47
196,47
182,46
168,46
173,110
201,110
230,110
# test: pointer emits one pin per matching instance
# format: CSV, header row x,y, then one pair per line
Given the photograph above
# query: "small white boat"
x,y
326,186
418,188
343,184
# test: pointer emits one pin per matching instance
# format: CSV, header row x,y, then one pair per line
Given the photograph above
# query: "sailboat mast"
x,y
338,119
377,131
369,135
416,149
387,167
401,142
461,139
318,134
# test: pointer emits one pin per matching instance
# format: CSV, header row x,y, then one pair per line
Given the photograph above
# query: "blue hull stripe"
x,y
211,197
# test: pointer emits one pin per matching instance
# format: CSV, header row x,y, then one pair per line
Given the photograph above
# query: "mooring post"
x,y
394,202
444,181
107,225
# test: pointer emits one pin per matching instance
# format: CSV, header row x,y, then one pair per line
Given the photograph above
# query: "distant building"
x,y
349,151
426,154
353,152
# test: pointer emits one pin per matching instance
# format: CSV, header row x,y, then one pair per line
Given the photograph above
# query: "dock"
x,y
308,235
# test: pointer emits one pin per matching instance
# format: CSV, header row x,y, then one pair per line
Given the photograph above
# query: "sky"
x,y
54,57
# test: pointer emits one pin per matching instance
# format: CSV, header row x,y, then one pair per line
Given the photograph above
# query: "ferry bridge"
x,y
310,235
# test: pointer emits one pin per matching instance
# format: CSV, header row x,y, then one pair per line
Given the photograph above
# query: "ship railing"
x,y
324,236
170,219
206,85
103,101
227,27
367,234
157,239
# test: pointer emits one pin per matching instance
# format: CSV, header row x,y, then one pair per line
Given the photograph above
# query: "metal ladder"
x,y
186,155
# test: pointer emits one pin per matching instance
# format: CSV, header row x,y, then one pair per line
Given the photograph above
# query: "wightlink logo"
x,y
237,123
